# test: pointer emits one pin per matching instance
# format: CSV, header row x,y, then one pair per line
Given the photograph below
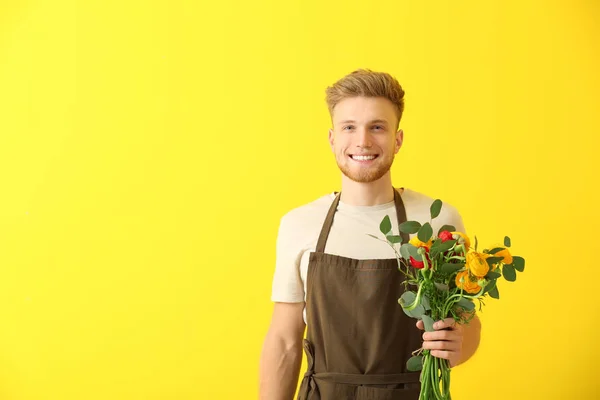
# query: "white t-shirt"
x,y
299,231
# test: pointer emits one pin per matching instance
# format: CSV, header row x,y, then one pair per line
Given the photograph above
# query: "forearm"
x,y
471,338
279,368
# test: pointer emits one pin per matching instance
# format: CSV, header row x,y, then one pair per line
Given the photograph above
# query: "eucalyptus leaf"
x,y
449,228
493,260
416,312
386,225
441,247
404,251
409,227
394,238
519,263
466,304
373,236
428,323
506,241
425,302
414,252
495,250
491,285
509,273
407,298
425,233
494,293
448,268
415,363
435,208
441,286
493,275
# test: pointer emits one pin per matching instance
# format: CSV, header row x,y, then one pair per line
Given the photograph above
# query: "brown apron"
x,y
358,338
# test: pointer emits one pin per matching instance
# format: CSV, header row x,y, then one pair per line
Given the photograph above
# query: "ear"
x,y
399,140
331,137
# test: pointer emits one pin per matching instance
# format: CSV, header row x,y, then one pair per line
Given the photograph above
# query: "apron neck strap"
x,y
400,214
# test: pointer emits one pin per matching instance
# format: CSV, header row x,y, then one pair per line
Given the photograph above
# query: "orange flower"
x,y
477,263
506,254
467,285
462,239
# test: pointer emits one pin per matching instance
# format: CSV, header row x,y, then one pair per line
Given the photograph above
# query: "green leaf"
x,y
409,227
441,247
506,241
373,236
493,275
416,312
491,285
435,208
466,304
407,298
414,252
509,273
386,225
494,293
428,323
425,233
448,268
495,250
475,243
425,302
415,363
404,251
449,228
519,263
441,286
493,260
394,238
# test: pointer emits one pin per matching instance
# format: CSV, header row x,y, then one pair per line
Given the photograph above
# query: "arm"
x,y
282,353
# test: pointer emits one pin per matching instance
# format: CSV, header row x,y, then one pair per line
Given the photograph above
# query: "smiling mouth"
x,y
367,157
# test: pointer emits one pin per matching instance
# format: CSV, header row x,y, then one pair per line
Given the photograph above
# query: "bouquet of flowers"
x,y
448,277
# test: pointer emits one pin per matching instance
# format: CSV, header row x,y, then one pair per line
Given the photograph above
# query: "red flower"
x,y
420,264
445,236
416,264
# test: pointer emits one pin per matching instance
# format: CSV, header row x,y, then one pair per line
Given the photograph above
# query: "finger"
x,y
443,335
441,345
443,354
445,323
420,324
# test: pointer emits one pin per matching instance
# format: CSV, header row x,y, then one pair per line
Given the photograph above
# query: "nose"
x,y
363,138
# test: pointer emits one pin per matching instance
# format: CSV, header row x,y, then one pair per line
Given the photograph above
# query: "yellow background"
x,y
148,150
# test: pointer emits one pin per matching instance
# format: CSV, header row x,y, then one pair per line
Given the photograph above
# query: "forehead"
x,y
364,109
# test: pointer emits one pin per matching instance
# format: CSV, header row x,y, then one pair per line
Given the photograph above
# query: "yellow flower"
x,y
465,239
467,285
477,264
417,243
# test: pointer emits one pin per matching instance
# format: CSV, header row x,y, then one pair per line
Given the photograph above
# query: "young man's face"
x,y
365,126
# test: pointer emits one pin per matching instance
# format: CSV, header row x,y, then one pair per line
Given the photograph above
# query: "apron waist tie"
x,y
308,384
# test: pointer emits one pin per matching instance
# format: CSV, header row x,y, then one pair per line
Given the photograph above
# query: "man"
x,y
343,285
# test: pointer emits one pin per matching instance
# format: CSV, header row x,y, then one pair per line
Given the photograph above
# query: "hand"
x,y
446,341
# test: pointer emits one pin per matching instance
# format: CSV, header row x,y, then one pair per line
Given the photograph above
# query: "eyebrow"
x,y
379,121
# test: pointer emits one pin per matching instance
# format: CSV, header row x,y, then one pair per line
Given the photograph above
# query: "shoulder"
x,y
306,218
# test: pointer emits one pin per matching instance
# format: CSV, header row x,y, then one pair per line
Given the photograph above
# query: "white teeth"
x,y
363,158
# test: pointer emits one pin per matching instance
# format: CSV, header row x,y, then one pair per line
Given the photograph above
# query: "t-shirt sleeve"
x,y
287,284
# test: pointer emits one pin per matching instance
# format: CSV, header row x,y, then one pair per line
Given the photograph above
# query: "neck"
x,y
374,193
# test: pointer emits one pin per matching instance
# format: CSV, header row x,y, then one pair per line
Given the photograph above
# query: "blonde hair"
x,y
366,83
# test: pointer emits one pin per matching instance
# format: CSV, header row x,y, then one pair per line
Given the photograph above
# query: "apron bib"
x,y
358,338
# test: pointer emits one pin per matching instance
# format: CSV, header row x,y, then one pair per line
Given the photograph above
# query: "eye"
x,y
378,127
347,127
